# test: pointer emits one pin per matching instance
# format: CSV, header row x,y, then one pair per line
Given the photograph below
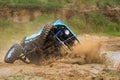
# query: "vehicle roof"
x,y
58,23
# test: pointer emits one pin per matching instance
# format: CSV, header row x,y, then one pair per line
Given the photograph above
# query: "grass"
x,y
14,32
95,22
53,5
43,5
114,33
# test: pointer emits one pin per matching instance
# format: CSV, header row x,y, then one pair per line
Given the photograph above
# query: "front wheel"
x,y
13,53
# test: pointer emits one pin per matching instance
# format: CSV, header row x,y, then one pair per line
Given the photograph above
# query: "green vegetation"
x,y
55,4
96,23
92,23
10,31
43,5
100,3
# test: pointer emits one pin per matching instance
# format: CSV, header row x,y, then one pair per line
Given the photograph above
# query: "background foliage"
x,y
95,22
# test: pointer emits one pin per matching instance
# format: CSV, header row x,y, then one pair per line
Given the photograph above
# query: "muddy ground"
x,y
87,61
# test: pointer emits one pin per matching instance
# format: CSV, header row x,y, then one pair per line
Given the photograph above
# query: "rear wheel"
x,y
45,32
13,53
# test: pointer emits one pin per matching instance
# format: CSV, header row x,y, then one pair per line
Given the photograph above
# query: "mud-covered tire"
x,y
13,53
46,31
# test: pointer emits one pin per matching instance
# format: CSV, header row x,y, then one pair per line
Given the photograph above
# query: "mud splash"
x,y
89,50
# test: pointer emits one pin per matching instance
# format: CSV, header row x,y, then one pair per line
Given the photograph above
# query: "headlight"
x,y
67,32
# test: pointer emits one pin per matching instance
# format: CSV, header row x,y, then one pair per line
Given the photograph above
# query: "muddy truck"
x,y
47,41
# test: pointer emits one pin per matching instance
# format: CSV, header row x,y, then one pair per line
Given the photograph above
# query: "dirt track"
x,y
81,64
